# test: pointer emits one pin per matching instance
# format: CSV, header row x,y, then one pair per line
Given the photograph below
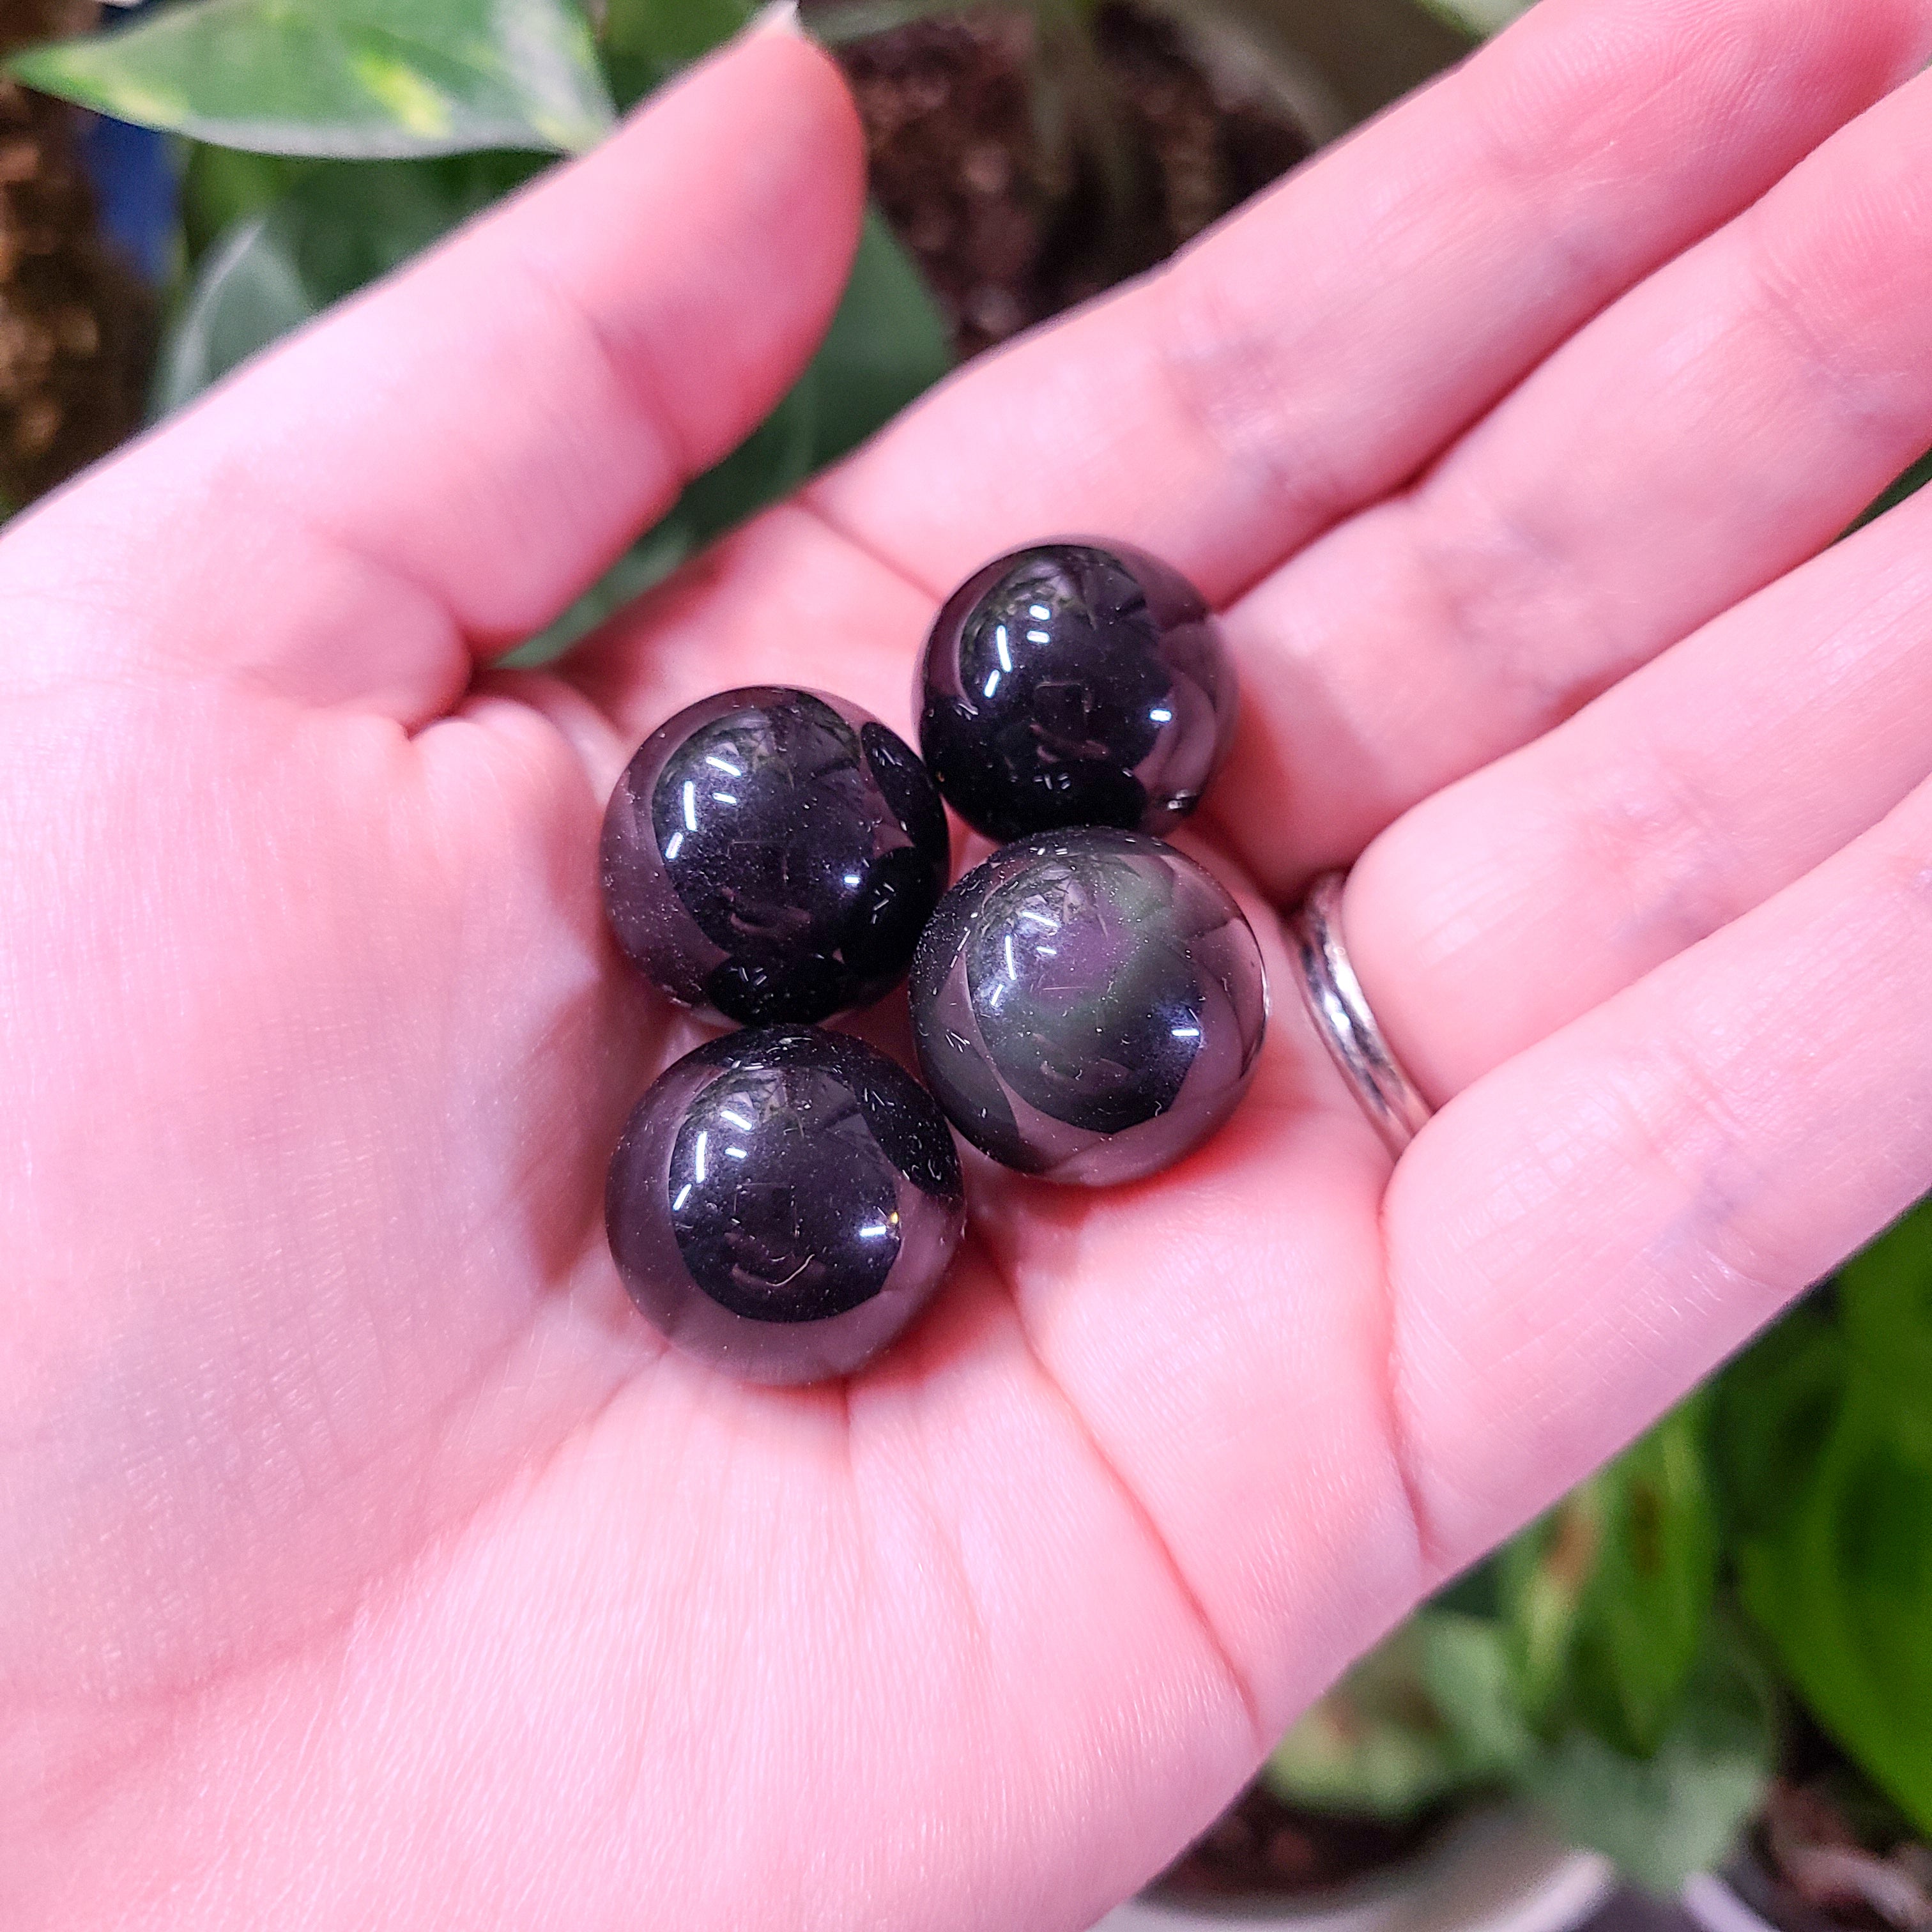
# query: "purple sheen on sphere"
x,y
1074,683
772,855
783,1202
1089,1005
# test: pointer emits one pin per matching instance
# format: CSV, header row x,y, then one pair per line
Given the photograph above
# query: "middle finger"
x,y
1716,427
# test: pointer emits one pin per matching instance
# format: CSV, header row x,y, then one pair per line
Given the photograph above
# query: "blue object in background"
x,y
132,172
133,175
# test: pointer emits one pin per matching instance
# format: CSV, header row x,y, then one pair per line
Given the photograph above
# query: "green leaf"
x,y
249,292
1474,1592
1680,1810
341,225
645,42
1480,17
1465,1664
362,78
223,187
887,345
1773,1409
1541,1577
1608,1598
1648,1611
1885,1295
1834,1544
1428,1715
1845,1595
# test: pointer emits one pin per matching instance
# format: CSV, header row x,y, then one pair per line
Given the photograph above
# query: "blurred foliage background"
x,y
1636,1664
1742,1604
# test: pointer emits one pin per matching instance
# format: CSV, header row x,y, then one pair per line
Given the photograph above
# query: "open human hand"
x,y
369,1562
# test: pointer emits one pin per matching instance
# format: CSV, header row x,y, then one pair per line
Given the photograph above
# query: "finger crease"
x,y
630,370
1432,1564
1261,1740
807,500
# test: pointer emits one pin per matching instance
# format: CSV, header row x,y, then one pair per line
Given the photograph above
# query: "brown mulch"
x,y
77,324
1010,224
1264,1847
1829,1854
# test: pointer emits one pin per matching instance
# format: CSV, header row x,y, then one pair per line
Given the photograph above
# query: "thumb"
x,y
439,467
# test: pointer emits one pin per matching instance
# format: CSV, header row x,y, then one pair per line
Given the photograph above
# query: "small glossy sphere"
x,y
784,1201
1089,1005
771,854
1074,683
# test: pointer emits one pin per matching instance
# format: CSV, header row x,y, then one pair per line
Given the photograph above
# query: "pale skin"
x,y
369,1563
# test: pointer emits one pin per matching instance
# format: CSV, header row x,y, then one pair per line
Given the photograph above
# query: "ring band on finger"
x,y
1335,1003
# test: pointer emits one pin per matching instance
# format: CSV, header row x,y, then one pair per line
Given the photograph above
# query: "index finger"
x,y
1316,353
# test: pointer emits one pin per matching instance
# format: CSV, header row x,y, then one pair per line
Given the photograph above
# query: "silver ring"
x,y
1335,1002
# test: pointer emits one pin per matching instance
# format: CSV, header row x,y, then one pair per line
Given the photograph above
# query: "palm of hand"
x,y
372,1549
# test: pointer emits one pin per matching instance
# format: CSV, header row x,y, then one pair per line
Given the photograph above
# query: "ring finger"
x,y
1502,909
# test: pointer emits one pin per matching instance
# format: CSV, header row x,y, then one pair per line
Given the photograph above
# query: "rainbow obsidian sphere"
x,y
1089,1005
771,854
784,1201
1074,683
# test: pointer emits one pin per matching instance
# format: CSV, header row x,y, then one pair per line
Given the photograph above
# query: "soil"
x,y
1263,1847
1828,1854
1011,224
77,323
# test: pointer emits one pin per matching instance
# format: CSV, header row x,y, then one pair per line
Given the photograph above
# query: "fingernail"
x,y
780,16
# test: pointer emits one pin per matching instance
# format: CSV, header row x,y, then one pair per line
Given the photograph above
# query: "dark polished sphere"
x,y
784,1201
1089,1005
771,854
1074,683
